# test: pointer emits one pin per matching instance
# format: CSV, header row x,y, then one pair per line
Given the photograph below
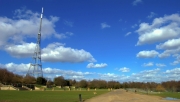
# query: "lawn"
x,y
161,94
169,94
47,96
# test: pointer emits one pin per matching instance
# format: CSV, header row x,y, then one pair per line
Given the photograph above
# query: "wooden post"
x,y
80,98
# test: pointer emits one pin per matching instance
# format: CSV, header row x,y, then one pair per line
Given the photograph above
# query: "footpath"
x,y
121,95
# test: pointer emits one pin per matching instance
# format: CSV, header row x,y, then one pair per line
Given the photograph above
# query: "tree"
x,y
29,79
41,81
98,84
72,82
17,79
6,76
160,88
60,81
83,84
49,83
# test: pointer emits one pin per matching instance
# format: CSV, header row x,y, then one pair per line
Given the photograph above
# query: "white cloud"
x,y
16,68
152,14
63,35
173,74
128,33
104,25
66,73
173,71
22,69
124,69
135,25
161,29
109,76
148,76
169,49
164,55
160,65
55,52
147,54
25,24
68,23
155,75
177,61
135,2
148,64
170,44
20,51
92,65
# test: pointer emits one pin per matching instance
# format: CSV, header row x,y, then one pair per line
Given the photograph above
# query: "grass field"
x,y
166,94
47,96
169,94
161,94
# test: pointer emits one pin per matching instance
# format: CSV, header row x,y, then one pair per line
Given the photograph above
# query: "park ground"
x,y
99,95
121,95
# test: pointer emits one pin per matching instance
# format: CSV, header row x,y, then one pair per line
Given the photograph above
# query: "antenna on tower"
x,y
35,68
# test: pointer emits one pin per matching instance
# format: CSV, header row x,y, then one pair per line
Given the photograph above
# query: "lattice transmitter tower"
x,y
35,68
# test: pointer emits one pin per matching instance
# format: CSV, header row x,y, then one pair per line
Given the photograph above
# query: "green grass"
x,y
46,96
169,94
161,94
164,94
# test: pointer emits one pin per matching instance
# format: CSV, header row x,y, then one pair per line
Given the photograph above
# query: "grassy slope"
x,y
46,96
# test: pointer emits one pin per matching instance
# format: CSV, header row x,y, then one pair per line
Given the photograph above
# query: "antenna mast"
x,y
35,68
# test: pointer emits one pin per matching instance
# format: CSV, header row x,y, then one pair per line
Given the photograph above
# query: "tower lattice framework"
x,y
35,68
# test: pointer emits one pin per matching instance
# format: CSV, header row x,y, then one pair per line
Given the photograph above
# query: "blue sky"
x,y
121,40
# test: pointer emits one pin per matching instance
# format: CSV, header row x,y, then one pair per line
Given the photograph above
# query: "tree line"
x,y
7,77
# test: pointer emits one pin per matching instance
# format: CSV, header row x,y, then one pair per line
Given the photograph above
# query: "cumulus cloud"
x,y
134,26
173,71
109,76
147,54
148,64
173,74
128,33
160,65
104,25
25,23
20,51
156,75
68,23
169,50
170,44
135,2
164,55
92,65
63,35
48,72
177,60
55,52
152,14
16,68
124,69
148,76
66,73
161,29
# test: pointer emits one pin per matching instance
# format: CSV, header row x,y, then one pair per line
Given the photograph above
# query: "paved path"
x,y
121,95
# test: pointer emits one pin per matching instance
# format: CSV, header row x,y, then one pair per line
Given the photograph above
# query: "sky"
x,y
120,40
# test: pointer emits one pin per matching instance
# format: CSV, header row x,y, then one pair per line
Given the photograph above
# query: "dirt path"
x,y
123,96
